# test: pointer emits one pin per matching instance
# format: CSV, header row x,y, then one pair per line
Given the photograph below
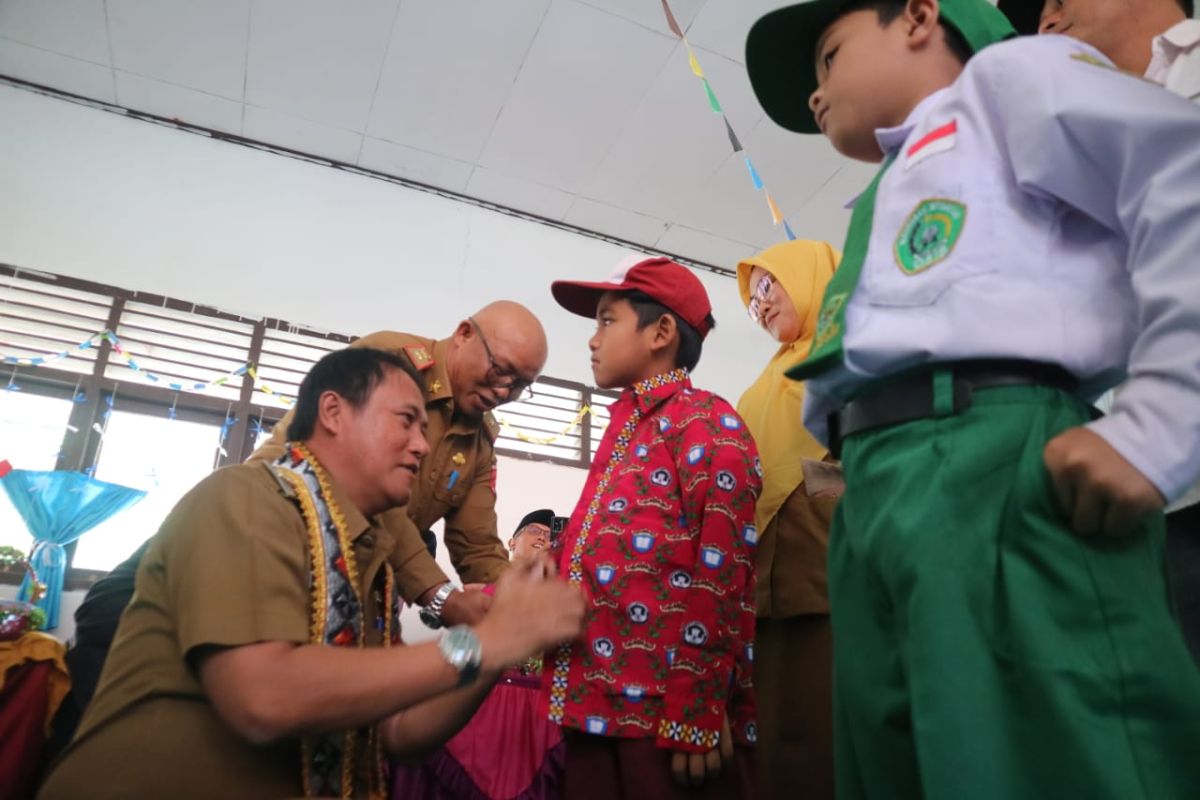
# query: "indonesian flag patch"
x,y
938,140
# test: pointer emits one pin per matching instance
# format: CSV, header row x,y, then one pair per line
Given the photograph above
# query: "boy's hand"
x,y
696,769
467,607
1097,488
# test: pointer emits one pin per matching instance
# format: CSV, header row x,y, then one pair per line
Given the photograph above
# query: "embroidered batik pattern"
x,y
662,545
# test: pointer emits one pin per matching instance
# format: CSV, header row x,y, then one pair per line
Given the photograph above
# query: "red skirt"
x,y
508,751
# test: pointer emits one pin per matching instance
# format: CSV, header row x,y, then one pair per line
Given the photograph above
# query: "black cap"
x,y
1025,15
543,516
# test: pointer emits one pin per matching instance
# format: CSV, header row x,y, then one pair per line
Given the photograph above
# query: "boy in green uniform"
x,y
1027,243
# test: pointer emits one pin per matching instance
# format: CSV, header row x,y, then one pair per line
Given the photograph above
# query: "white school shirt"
x,y
1175,65
1076,191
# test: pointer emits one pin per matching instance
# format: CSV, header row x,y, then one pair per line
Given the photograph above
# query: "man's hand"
x,y
532,610
696,769
467,607
1097,488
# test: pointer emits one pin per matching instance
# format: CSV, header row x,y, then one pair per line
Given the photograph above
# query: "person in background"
x,y
782,288
532,535
508,749
659,687
261,653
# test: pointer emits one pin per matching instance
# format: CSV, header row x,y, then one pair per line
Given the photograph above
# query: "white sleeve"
x,y
1127,154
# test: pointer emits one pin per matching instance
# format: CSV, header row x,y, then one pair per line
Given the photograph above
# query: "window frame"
x,y
81,452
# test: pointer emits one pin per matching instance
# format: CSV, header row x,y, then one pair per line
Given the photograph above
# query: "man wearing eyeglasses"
x,y
490,359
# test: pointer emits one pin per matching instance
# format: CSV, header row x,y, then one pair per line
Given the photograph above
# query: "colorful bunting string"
x,y
714,104
131,361
525,437
265,389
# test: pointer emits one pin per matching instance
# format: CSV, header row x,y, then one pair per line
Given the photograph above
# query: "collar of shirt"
x,y
356,523
649,394
892,139
1168,46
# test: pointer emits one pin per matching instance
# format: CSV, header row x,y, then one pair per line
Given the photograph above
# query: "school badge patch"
x,y
827,324
929,234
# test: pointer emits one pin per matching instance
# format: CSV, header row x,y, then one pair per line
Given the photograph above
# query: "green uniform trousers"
x,y
982,649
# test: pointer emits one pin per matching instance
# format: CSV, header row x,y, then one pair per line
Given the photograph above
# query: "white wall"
x,y
94,195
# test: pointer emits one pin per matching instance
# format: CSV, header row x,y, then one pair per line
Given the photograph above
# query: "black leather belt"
x,y
911,397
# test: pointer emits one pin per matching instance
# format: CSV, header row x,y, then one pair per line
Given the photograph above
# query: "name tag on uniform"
x,y
938,140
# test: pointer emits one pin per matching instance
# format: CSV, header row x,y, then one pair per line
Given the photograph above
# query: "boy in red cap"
x,y
661,542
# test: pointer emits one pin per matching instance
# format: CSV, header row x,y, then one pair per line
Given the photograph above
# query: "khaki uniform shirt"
x,y
456,481
791,555
229,567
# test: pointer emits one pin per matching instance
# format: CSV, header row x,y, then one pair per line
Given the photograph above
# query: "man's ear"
x,y
920,22
331,412
463,333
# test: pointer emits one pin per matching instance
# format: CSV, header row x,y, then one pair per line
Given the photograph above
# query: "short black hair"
x,y
1188,7
649,311
353,373
888,10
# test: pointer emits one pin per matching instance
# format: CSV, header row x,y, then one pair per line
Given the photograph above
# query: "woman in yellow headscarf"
x,y
782,288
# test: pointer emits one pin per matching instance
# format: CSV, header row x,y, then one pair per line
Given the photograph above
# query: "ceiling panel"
x,y
69,27
200,46
536,198
179,102
294,133
316,60
449,70
649,13
415,165
584,111
704,246
59,71
824,215
721,26
574,95
615,221
674,143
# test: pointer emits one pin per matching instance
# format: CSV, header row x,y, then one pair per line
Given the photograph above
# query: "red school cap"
x,y
672,284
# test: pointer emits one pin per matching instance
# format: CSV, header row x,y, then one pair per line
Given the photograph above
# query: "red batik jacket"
x,y
662,544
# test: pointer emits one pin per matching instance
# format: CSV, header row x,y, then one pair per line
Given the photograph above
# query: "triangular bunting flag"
x,y
733,139
776,217
757,181
671,23
712,98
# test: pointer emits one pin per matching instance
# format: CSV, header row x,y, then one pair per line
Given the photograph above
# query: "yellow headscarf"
x,y
773,404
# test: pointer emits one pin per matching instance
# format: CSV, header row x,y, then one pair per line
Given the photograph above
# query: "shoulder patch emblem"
x,y
419,355
929,234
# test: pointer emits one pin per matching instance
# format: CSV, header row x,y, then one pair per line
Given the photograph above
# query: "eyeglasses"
x,y
762,290
516,386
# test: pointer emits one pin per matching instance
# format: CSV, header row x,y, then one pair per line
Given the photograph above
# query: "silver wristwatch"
x,y
431,612
462,650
